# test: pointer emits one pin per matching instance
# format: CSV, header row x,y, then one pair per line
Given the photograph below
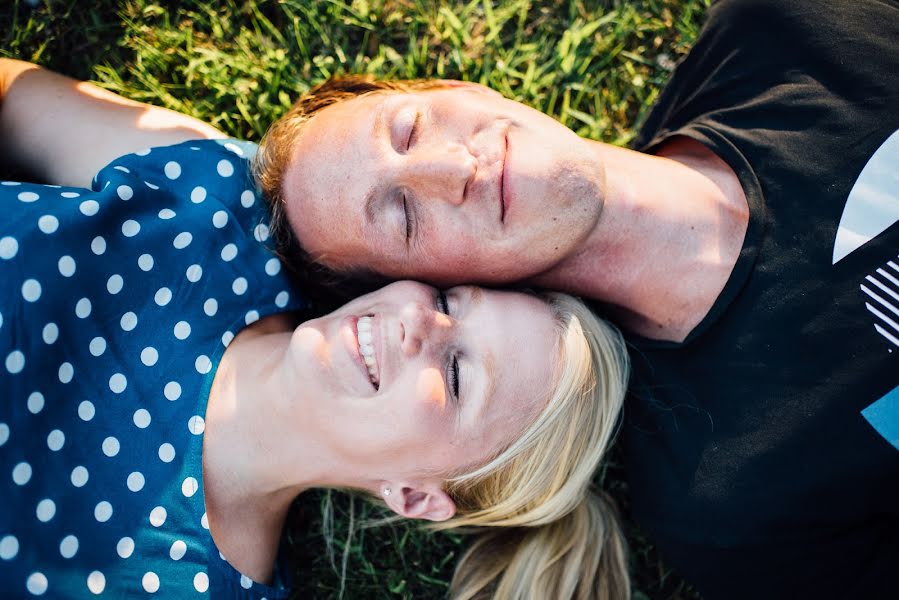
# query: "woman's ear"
x,y
470,86
418,500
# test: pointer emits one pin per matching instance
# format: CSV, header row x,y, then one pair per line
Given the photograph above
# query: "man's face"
x,y
449,185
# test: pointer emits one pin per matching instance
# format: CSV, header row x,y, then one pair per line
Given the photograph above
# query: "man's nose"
x,y
442,173
422,328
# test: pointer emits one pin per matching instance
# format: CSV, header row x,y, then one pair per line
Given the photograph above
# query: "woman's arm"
x,y
63,131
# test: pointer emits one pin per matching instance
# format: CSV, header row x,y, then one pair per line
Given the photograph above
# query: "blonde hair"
x,y
546,533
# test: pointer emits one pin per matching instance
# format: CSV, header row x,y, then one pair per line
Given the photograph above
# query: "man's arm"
x,y
63,131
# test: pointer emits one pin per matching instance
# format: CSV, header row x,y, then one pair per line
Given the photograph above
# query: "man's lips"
x,y
503,187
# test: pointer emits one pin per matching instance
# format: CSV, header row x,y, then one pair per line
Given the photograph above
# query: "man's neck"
x,y
666,242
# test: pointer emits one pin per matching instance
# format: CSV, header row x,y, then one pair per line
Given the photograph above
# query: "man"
x,y
750,246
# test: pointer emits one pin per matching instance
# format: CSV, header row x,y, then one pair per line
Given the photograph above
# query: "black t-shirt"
x,y
763,452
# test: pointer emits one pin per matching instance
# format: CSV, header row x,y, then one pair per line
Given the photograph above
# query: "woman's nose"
x,y
422,328
442,173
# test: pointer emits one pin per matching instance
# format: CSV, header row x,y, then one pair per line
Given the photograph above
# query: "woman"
x,y
163,407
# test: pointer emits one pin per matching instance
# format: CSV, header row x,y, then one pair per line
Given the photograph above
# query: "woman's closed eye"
x,y
452,372
413,132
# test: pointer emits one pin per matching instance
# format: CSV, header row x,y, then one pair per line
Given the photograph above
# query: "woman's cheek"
x,y
430,392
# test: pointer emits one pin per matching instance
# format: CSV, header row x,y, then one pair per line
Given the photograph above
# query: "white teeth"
x,y
366,349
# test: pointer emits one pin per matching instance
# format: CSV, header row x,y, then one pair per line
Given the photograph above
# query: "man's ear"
x,y
470,86
418,500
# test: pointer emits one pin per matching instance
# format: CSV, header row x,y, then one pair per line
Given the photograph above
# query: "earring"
x,y
387,491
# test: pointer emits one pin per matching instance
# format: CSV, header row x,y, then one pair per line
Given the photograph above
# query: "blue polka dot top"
x,y
116,305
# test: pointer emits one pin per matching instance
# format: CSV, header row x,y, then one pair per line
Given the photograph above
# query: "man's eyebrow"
x,y
368,201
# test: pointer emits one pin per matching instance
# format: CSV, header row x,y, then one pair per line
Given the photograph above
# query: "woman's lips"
x,y
351,343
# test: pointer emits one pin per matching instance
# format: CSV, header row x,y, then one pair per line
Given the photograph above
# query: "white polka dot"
x,y
182,240
142,152
236,150
163,296
1,319
21,473
9,547
121,168
46,510
86,410
125,192
145,262
149,356
8,247
172,390
166,214
55,440
210,307
247,198
28,196
239,286
225,168
125,547
150,580
201,582
79,476
251,317
110,446
118,383
260,232
272,266
70,194
142,418
182,330
196,425
89,208
281,299
10,183
96,582
166,453
31,290
98,245
226,338
50,333
37,583
68,547
172,170
130,228
158,516
83,308
229,252
204,521
48,224
245,582
97,346
15,362
136,481
177,551
66,266
4,433
203,365
189,486
114,284
193,273
198,194
66,372
103,511
35,402
128,321
220,219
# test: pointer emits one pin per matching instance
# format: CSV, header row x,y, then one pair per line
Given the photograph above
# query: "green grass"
x,y
597,66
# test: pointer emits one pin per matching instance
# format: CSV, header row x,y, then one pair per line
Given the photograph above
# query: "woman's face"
x,y
451,376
